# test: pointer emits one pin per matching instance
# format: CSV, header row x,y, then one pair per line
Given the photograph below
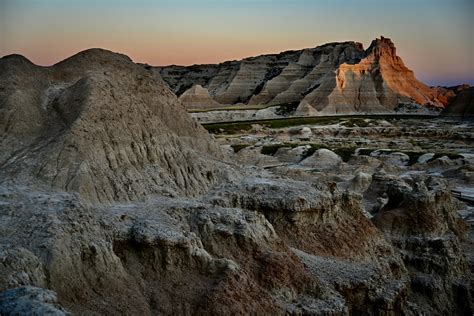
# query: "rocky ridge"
x,y
462,104
330,79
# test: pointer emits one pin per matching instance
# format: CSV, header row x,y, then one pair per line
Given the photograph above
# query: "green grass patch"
x,y
271,150
243,126
345,152
287,109
231,108
414,155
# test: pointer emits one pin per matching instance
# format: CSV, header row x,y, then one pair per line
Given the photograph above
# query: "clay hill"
x,y
332,78
114,201
99,124
197,97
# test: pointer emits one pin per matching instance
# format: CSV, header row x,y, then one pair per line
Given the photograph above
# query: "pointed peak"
x,y
196,90
382,46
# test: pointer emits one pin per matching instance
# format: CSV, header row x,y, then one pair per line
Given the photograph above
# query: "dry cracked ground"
x,y
114,200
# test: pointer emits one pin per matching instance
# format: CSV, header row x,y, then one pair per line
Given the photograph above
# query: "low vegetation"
x,y
348,120
287,109
231,108
345,152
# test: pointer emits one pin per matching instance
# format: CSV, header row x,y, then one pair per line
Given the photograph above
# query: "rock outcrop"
x,y
30,300
446,95
378,83
98,124
322,159
420,219
462,105
329,79
163,256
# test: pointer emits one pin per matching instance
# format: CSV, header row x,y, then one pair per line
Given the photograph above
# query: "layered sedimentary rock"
x,y
163,256
101,125
379,82
446,95
462,105
197,97
420,219
113,200
333,78
98,162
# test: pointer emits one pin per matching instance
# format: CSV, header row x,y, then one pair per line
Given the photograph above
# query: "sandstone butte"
x,y
335,78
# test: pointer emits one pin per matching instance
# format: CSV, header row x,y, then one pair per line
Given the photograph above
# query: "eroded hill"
x,y
336,78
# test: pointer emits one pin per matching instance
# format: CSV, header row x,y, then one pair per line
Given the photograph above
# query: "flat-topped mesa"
x,y
332,78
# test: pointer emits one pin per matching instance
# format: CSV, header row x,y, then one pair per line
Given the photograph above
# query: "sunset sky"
x,y
435,38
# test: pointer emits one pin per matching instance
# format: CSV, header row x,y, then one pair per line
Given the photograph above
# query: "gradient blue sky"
x,y
435,38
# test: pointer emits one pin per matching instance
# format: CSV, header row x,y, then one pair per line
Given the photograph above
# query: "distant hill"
x,y
332,78
462,105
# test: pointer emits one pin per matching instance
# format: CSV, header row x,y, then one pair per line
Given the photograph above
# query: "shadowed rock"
x,y
462,105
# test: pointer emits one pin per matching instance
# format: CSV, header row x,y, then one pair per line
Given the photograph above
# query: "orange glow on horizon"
x,y
434,38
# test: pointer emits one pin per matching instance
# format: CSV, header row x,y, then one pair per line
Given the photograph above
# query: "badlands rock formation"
x,y
462,105
446,95
197,97
99,124
329,79
113,200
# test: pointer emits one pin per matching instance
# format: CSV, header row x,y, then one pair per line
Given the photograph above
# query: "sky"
x,y
435,38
